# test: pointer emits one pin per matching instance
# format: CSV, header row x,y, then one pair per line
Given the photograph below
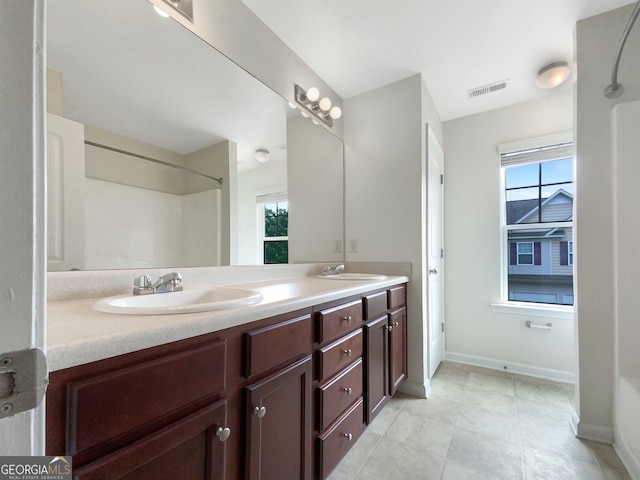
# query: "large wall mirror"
x,y
132,96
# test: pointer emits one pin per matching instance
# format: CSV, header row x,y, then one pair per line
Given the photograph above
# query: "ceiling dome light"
x,y
313,94
325,104
553,75
262,155
335,113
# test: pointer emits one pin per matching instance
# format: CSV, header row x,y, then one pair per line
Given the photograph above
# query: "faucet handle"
x,y
143,281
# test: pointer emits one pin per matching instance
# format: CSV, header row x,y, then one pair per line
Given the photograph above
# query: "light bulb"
x,y
291,105
335,113
313,94
325,104
304,114
314,121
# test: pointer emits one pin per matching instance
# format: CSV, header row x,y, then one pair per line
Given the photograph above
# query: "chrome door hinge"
x,y
23,381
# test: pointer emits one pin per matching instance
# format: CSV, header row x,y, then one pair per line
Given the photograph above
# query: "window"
x,y
273,218
538,226
524,251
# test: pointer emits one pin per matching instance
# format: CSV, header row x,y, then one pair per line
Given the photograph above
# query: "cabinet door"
x,y
376,340
192,448
278,443
397,349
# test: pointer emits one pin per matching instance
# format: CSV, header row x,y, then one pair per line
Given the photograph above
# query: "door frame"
x,y
22,193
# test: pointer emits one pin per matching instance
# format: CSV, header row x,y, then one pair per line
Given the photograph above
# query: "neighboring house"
x,y
541,258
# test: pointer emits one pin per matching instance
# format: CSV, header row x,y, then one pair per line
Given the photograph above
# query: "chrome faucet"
x,y
332,269
170,282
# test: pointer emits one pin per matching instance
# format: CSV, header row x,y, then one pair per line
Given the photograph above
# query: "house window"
x,y
538,224
273,218
524,252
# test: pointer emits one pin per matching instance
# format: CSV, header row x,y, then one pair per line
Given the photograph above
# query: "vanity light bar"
x,y
320,108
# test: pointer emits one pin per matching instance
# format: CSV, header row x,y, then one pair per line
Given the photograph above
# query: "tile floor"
x,y
479,424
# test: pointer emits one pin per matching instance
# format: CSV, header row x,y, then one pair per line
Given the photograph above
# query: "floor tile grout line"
x,y
364,462
515,402
455,421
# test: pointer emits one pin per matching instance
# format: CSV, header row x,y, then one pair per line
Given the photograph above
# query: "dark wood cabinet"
x,y
280,398
397,349
377,372
385,347
278,419
192,448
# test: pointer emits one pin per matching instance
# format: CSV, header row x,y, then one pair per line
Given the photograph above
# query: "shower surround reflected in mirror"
x,y
146,85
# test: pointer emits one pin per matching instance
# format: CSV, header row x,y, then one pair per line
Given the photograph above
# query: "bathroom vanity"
x,y
282,393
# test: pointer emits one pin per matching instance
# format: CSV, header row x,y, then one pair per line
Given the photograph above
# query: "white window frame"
x,y
261,201
526,308
570,253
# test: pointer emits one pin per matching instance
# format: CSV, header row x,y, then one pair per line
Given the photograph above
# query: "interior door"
x,y
22,231
435,252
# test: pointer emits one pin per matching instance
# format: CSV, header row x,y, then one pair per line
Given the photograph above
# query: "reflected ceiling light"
x,y
308,102
161,12
262,155
292,105
553,75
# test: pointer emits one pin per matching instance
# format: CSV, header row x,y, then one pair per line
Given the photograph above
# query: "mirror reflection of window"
x,y
273,218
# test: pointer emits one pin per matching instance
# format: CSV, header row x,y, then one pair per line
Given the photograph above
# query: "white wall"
x,y
270,178
132,227
384,178
597,39
316,193
233,29
626,119
474,332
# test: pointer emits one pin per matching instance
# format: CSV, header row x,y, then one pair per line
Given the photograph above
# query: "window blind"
x,y
272,197
541,149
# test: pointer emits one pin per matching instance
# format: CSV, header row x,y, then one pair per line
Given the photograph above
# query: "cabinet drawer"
x,y
337,394
375,304
336,442
337,321
397,297
140,394
270,346
339,354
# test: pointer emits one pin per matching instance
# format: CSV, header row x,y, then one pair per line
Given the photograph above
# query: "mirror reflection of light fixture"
x,y
553,75
185,7
310,102
160,12
262,155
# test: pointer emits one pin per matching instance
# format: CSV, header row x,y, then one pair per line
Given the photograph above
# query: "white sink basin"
x,y
355,276
187,301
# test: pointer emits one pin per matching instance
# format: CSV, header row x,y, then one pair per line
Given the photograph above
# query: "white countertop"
x,y
77,334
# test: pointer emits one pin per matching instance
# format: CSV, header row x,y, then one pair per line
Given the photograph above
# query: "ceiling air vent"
x,y
493,87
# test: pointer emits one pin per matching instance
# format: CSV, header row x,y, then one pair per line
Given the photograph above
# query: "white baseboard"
x,y
523,369
591,431
627,458
417,389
